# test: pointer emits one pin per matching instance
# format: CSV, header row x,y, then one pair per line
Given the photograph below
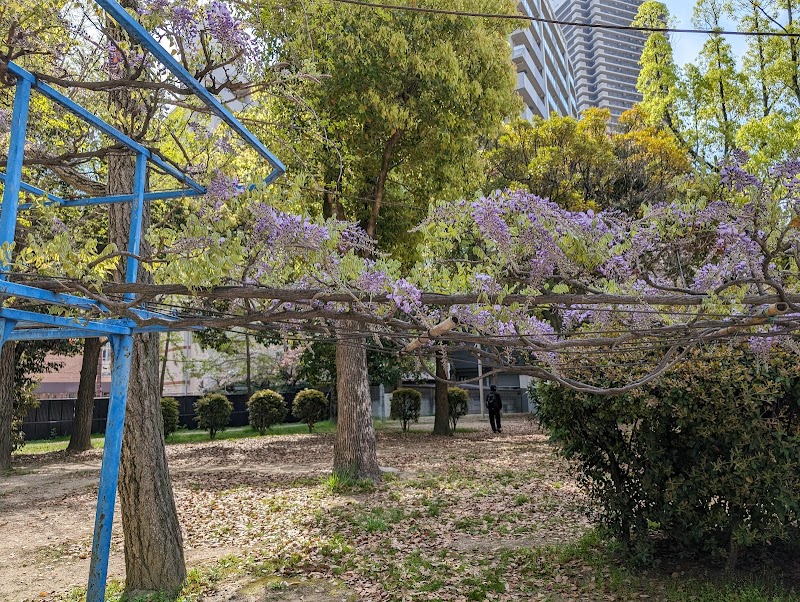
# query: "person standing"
x,y
494,404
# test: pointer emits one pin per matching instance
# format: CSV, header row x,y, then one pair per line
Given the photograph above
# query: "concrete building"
x,y
605,62
544,76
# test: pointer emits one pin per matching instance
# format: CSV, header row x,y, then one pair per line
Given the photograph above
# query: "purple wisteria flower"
x,y
406,296
355,237
372,281
225,146
184,23
225,29
58,227
485,283
488,216
282,231
221,188
154,7
761,347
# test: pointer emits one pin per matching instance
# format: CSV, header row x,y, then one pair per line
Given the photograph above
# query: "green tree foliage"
x,y
264,409
318,366
458,403
169,412
404,105
406,404
708,453
213,413
716,103
310,406
579,165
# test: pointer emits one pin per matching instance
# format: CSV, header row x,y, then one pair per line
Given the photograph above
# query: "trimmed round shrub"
x,y
169,411
213,413
310,406
265,408
406,404
458,403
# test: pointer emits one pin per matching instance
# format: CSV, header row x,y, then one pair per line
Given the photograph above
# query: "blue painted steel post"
x,y
137,211
13,179
6,328
122,347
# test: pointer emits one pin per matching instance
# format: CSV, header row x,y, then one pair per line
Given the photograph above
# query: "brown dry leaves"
x,y
448,526
471,517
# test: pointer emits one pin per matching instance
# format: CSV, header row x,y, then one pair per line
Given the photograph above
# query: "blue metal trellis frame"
x,y
22,325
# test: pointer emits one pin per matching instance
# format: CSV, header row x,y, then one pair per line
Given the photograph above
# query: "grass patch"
x,y
593,567
199,582
338,483
43,446
379,519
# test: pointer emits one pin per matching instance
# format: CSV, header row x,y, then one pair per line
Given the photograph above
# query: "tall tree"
x,y
6,403
406,101
81,437
721,81
579,165
441,421
85,58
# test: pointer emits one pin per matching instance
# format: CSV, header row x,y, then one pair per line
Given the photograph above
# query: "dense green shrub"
x,y
213,413
169,411
458,402
265,408
310,406
406,404
708,453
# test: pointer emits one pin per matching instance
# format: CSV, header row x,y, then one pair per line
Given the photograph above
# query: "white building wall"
x,y
544,75
605,62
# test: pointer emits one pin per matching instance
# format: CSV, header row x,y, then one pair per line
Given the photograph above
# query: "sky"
x,y
685,46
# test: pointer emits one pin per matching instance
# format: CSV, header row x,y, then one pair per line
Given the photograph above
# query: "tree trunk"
x,y
248,375
81,440
441,423
153,544
6,403
164,366
380,187
354,451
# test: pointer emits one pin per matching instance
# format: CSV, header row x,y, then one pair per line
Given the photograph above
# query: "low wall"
x,y
515,400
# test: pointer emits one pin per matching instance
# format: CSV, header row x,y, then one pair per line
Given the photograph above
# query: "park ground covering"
x,y
476,516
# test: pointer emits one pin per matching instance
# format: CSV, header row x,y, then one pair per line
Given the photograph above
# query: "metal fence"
x,y
53,417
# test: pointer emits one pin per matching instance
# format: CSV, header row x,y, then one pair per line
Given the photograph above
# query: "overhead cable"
x,y
610,26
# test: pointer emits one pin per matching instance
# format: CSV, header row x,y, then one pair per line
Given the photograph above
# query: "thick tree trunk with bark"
x,y
153,544
441,422
6,403
81,438
354,451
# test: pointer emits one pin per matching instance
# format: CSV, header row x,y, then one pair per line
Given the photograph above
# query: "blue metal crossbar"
x,y
52,199
22,325
101,125
136,31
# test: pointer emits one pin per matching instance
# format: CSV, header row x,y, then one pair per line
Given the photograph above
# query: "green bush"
x,y
264,409
406,404
310,406
213,413
458,402
169,411
708,454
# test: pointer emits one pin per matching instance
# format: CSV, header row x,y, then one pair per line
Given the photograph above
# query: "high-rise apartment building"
x,y
605,62
544,77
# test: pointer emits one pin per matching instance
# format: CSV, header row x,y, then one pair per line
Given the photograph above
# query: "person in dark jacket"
x,y
494,405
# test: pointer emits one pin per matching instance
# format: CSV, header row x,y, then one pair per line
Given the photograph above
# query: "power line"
x,y
521,17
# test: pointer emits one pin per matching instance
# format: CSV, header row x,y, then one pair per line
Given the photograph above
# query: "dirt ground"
x,y
262,499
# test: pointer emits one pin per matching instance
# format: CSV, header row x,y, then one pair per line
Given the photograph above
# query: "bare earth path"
x,y
262,502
